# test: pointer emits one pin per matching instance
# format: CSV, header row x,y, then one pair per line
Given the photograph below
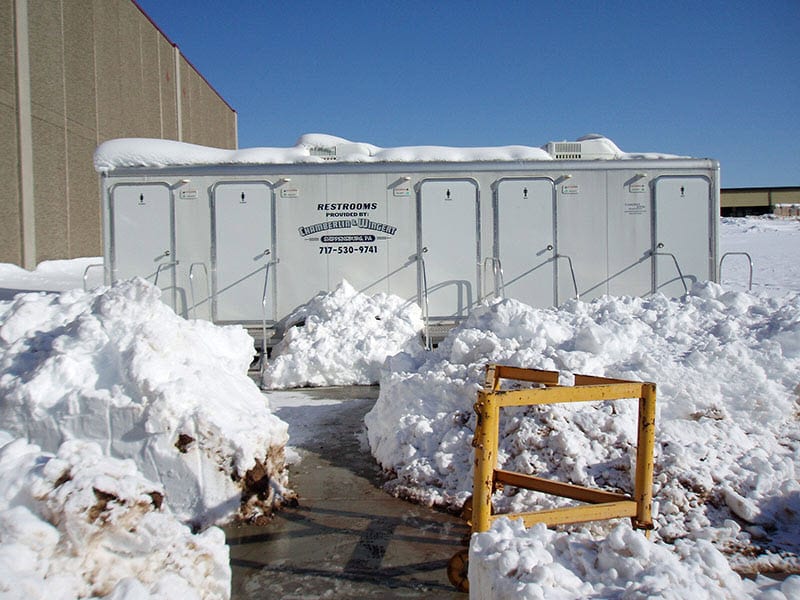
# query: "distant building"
x,y
74,73
738,202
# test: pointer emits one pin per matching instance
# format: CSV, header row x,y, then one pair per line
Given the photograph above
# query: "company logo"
x,y
347,224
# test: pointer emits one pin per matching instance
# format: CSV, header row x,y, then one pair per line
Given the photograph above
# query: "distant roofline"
x,y
174,45
764,188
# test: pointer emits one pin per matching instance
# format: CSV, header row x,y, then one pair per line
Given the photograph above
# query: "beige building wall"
x,y
741,201
10,234
739,198
74,73
786,196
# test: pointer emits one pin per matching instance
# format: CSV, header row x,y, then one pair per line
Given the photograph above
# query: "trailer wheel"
x,y
458,570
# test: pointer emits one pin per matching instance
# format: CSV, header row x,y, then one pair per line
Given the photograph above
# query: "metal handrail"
x,y
267,267
425,306
677,266
497,267
191,284
173,263
86,272
571,270
749,260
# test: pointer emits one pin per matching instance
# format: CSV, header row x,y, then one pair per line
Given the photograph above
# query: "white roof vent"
x,y
324,152
590,147
348,151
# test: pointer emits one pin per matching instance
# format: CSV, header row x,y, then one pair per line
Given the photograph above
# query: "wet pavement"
x,y
347,538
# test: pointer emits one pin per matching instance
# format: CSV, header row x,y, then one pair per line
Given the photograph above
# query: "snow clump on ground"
x,y
509,562
342,338
116,366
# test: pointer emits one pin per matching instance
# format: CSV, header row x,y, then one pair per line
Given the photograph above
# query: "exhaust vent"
x,y
324,152
566,150
591,147
348,152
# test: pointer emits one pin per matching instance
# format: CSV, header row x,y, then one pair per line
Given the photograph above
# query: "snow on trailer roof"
x,y
321,148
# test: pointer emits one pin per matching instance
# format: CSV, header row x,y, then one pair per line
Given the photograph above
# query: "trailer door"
x,y
682,237
241,248
524,239
141,235
448,223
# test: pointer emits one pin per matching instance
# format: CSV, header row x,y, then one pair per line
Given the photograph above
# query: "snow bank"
x,y
342,338
542,563
79,525
318,148
117,366
728,439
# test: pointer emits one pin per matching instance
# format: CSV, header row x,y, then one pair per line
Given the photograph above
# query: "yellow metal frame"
x,y
600,504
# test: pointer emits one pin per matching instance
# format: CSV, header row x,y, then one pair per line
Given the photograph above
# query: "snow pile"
x,y
728,437
117,366
342,338
541,563
319,148
79,525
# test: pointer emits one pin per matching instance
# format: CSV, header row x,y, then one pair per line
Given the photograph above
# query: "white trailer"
x,y
247,236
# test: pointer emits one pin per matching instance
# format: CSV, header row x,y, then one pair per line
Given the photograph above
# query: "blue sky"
x,y
705,79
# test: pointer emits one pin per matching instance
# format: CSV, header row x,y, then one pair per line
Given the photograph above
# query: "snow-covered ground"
x,y
726,362
727,365
144,424
774,246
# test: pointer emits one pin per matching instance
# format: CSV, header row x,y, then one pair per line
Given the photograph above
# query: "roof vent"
x,y
347,151
586,148
324,152
564,150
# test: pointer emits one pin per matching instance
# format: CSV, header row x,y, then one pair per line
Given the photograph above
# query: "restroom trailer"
x,y
249,242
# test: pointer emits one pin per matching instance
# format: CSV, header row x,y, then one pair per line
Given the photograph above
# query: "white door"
x,y
241,249
141,235
525,240
448,229
682,233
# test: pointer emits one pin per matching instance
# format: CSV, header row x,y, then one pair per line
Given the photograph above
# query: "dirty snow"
x,y
110,374
79,524
317,147
117,366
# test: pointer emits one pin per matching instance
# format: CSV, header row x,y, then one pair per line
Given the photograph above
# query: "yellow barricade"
x,y
599,504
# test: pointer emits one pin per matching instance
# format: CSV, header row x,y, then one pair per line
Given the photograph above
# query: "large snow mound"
x,y
726,364
117,366
342,337
80,525
319,148
510,562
